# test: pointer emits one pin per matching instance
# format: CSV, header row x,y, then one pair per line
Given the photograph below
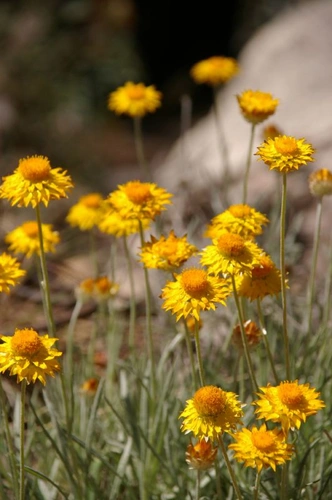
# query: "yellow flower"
x,y
211,412
215,70
166,253
35,182
113,223
139,200
192,323
202,455
99,289
87,213
193,291
261,448
241,219
271,131
253,334
10,272
230,254
285,154
289,403
90,386
134,99
257,106
29,356
25,239
320,183
265,279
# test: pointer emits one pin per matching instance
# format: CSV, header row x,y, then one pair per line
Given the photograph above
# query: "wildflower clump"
x,y
134,99
34,181
29,355
215,70
25,239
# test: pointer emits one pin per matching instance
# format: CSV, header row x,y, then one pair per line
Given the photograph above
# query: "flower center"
x,y
290,394
169,248
92,200
26,342
263,440
285,145
194,281
209,401
231,245
35,168
30,228
103,285
136,92
240,211
138,193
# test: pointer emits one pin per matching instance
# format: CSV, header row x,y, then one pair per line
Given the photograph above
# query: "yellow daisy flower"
x,y
261,448
256,106
265,279
87,213
215,70
202,455
320,183
99,289
34,182
211,412
167,253
231,254
10,272
29,356
289,403
285,153
253,334
134,99
240,219
113,223
25,239
139,200
193,291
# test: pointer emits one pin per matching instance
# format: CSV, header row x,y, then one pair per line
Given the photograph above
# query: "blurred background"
x,y
61,59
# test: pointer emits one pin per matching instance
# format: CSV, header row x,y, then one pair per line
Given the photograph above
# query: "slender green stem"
x,y
132,317
327,290
311,283
148,312
257,483
248,164
244,338
284,482
283,274
230,469
138,137
191,355
93,252
9,441
266,340
45,285
22,422
199,354
218,480
198,484
222,143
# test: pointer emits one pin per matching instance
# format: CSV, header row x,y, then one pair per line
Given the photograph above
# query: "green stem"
x,y
9,441
198,484
93,253
191,355
244,338
132,317
148,312
45,285
283,274
311,283
230,469
199,354
284,482
248,163
266,340
22,421
138,137
221,141
257,483
327,290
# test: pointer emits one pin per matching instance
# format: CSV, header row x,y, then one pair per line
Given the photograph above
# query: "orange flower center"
x,y
30,228
138,193
240,211
285,145
209,401
169,248
103,285
35,168
263,440
92,200
26,342
87,285
136,92
290,394
231,245
194,281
